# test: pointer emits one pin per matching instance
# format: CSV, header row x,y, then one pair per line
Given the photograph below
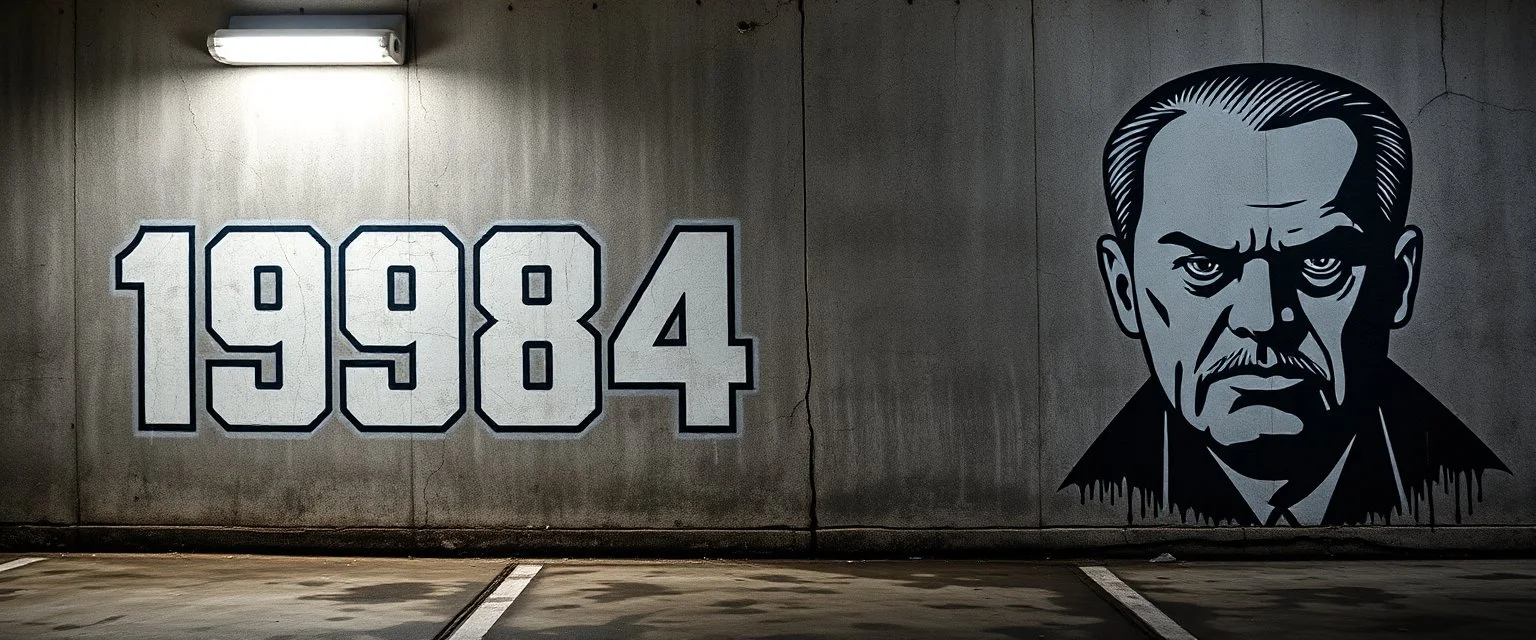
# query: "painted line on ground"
x,y
19,562
1146,614
480,621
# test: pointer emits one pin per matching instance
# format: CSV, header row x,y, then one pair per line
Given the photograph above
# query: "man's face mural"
x,y
1261,255
1248,276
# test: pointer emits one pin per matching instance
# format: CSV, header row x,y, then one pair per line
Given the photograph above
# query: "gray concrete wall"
x,y
921,218
37,323
917,194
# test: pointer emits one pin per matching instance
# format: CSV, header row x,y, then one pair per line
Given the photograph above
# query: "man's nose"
x,y
1255,308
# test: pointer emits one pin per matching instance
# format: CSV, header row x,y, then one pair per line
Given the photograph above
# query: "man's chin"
x,y
1249,423
1269,443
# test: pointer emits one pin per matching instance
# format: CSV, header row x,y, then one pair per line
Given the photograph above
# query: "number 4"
x,y
679,330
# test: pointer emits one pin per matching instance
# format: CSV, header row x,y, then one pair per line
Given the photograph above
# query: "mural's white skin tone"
x,y
695,268
1261,255
432,325
1217,182
1214,189
299,326
570,287
161,262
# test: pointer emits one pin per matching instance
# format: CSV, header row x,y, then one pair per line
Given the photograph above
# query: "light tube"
x,y
310,40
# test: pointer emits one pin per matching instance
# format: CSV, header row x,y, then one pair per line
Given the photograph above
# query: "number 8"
x,y
538,287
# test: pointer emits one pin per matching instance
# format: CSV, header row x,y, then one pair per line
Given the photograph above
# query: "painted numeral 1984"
x,y
400,296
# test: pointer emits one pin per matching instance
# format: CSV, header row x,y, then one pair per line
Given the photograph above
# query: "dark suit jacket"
x,y
1429,444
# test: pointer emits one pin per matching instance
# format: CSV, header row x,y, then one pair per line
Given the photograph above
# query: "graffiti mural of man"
x,y
1261,254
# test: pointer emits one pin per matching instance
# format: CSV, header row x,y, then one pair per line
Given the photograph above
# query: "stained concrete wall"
x,y
920,175
37,323
917,189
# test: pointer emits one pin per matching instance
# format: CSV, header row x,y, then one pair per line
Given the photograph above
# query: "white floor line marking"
x,y
1151,618
19,562
489,611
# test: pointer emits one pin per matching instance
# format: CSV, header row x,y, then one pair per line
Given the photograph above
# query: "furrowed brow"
x,y
1338,239
1277,205
1180,239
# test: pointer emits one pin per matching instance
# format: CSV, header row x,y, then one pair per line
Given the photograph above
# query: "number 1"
x,y
158,266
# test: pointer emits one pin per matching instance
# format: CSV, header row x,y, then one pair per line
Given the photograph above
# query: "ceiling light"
x,y
310,40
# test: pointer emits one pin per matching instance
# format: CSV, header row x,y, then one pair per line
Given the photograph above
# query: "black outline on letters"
x,y
549,278
409,351
277,287
410,284
585,321
549,365
275,349
138,289
734,339
678,318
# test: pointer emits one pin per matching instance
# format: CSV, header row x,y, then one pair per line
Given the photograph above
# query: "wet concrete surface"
x,y
278,597
1432,599
127,597
811,599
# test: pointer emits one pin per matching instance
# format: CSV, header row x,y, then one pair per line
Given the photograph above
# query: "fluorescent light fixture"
x,y
310,40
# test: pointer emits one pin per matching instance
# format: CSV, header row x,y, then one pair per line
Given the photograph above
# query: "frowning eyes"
x,y
1317,275
1319,267
1203,275
1199,268
1322,271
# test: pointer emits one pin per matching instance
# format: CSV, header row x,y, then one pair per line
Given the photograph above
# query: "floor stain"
x,y
798,589
72,627
1499,575
380,593
953,605
620,591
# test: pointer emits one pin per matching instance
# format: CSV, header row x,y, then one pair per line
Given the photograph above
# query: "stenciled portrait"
x,y
1261,253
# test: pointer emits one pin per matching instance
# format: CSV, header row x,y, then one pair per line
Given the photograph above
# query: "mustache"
x,y
1247,362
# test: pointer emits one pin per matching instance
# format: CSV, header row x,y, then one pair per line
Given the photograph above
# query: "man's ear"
x,y
1405,262
1119,286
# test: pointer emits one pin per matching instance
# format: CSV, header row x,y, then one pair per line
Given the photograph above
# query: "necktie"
x,y
1281,512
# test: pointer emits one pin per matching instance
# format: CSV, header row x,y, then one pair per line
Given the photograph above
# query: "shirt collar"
x,y
1308,510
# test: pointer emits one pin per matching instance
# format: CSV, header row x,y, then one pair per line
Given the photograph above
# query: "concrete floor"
x,y
189,596
812,600
177,596
1447,599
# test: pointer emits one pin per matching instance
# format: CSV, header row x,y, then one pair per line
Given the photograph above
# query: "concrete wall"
x,y
38,478
916,192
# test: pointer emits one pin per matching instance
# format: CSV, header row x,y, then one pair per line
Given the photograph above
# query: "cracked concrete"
x,y
1445,79
933,346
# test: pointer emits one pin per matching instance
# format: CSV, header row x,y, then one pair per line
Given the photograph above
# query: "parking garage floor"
x,y
279,597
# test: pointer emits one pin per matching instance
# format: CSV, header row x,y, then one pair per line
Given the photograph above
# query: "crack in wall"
x,y
805,274
1454,94
1263,41
74,95
1034,106
1445,80
412,9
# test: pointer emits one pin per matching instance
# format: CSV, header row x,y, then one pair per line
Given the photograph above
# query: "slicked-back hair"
x,y
1267,97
